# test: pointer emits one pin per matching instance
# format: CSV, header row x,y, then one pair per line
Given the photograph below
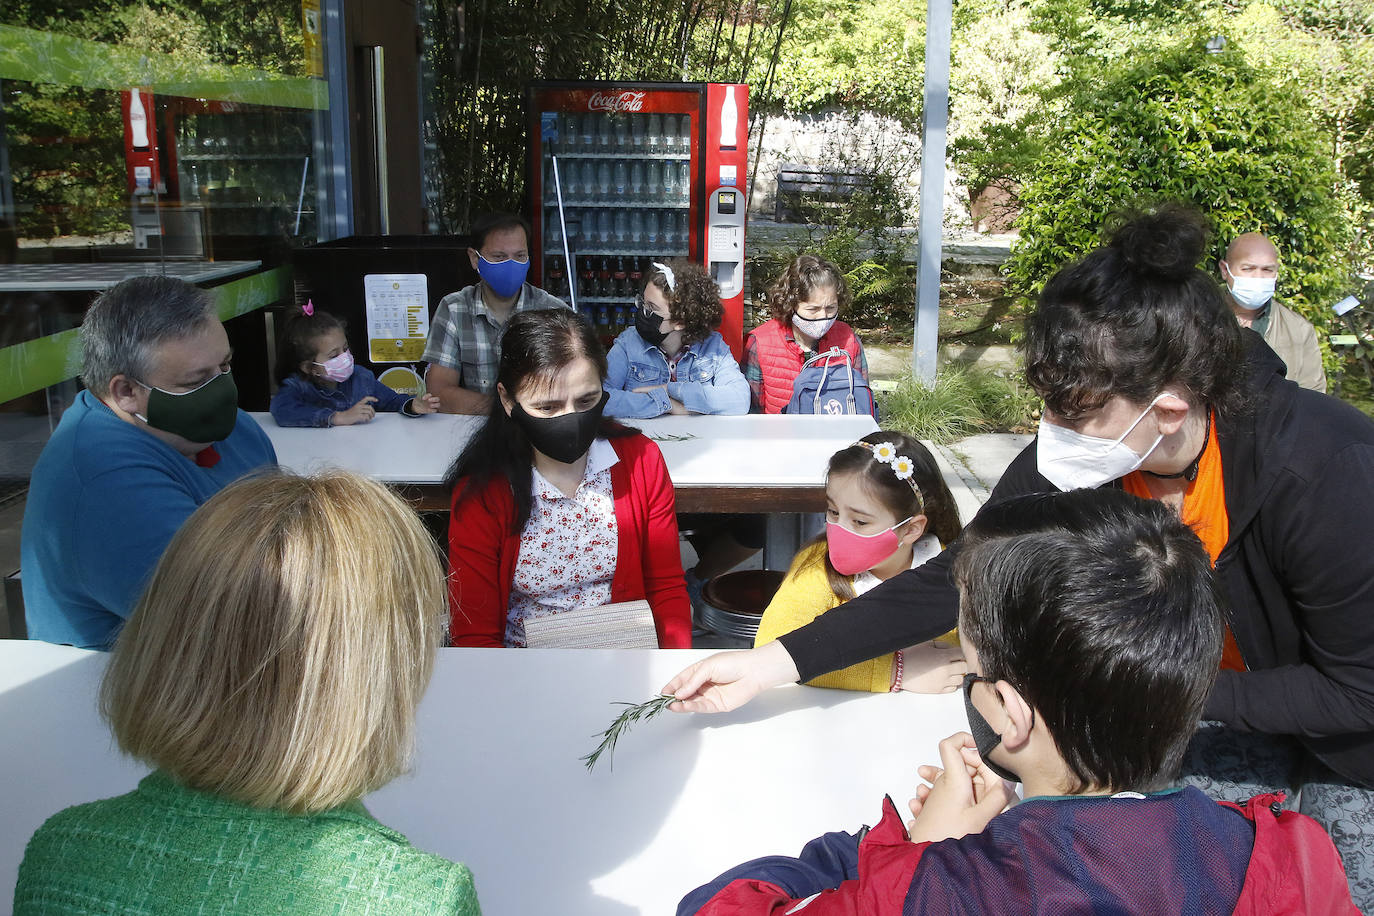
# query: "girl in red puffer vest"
x,y
805,302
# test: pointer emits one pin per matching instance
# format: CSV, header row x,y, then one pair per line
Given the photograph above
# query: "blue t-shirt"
x,y
104,501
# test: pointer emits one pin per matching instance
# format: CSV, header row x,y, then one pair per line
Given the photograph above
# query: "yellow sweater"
x,y
805,595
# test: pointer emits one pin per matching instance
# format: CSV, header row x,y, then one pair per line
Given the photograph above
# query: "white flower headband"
x,y
902,466
667,275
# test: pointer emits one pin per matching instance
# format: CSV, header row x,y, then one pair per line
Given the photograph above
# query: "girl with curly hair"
x,y
674,360
805,303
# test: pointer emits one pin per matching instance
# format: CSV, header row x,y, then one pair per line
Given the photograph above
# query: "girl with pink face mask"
x,y
888,510
320,386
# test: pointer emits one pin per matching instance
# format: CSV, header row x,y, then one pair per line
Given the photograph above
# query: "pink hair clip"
x,y
309,308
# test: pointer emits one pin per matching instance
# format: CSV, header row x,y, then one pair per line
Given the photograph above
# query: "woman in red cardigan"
x,y
555,508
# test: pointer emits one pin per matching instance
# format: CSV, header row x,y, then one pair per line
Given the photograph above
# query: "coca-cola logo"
x,y
609,101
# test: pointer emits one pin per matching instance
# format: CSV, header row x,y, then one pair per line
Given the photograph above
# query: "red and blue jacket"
x,y
1172,852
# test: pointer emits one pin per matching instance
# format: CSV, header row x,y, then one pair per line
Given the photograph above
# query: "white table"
x,y
769,464
497,782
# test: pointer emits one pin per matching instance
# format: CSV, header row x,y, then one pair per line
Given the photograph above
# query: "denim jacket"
x,y
300,402
709,379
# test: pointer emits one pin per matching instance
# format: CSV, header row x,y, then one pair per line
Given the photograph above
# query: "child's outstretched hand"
x,y
361,412
425,403
933,667
963,795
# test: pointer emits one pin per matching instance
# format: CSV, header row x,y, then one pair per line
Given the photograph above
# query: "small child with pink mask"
x,y
887,510
320,386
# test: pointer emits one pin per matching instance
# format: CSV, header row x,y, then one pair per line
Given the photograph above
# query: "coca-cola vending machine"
x,y
625,174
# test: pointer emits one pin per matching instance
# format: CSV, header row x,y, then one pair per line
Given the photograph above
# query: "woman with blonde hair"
x,y
270,676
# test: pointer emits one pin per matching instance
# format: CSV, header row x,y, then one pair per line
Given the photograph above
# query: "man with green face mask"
x,y
156,433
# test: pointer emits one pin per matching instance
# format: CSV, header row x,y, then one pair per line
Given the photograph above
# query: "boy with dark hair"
x,y
1092,631
464,343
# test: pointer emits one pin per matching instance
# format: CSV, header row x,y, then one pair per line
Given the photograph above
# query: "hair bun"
x,y
1168,241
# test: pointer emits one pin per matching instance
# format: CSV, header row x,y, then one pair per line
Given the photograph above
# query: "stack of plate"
x,y
733,603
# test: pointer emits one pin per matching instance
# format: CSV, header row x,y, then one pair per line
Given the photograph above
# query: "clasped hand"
x,y
961,797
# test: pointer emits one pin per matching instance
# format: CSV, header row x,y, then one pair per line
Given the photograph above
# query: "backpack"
x,y
828,384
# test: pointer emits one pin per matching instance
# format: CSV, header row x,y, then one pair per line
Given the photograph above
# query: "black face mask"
x,y
563,438
983,735
650,327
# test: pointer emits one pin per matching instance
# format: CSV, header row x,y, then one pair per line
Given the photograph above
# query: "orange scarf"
x,y
1204,510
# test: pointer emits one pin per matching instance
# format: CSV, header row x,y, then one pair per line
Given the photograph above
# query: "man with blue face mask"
x,y
157,432
1251,269
464,344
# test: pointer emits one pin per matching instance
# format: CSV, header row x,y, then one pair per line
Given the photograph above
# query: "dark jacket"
x,y
1297,570
1076,855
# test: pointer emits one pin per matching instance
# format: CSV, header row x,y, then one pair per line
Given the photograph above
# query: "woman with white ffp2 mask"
x,y
1137,347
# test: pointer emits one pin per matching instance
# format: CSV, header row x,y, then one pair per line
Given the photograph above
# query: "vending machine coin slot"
x,y
725,240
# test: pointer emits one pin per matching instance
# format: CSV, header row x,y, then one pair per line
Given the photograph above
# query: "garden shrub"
x,y
1209,129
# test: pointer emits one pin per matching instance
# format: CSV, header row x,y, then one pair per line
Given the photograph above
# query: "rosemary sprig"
x,y
672,437
634,712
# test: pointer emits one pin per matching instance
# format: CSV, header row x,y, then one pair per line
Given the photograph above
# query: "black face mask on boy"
x,y
564,438
983,735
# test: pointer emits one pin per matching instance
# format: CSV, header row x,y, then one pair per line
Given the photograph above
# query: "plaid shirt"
x,y
464,336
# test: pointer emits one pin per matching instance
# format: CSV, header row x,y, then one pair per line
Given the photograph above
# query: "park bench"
x,y
801,188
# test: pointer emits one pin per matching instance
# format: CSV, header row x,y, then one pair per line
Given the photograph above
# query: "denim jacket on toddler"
x,y
708,378
300,402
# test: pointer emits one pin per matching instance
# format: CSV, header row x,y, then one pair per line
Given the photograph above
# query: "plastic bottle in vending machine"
x,y
637,181
668,189
670,133
684,134
556,280
653,184
666,230
622,279
555,228
588,133
655,133
636,275
604,228
684,180
568,134
622,228
603,179
682,237
620,177
651,233
603,277
605,134
603,319
637,130
586,286
622,319
636,228
569,175
622,133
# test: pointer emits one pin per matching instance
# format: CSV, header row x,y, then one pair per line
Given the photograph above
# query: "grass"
x,y
963,402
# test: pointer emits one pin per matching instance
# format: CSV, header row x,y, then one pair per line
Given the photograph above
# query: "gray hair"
x,y
128,321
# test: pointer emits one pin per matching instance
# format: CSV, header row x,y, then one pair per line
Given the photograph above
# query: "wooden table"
x,y
497,782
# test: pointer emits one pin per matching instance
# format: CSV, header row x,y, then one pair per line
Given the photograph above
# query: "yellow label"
x,y
312,40
402,381
396,349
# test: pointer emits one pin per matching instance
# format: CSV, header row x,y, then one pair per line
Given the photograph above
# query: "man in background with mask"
x,y
1250,269
156,433
464,344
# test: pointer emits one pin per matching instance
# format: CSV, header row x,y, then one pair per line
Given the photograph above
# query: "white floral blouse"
x,y
567,548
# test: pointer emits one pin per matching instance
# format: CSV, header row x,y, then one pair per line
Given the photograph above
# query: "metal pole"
x,y
935,115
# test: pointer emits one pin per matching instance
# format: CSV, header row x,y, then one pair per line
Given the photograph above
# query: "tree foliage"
x,y
1211,129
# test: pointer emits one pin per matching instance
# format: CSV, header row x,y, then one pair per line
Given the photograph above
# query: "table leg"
x,y
785,534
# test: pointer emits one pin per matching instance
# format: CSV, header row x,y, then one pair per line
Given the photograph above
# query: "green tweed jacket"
x,y
164,849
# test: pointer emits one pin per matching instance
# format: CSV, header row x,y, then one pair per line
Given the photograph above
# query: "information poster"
x,y
397,317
